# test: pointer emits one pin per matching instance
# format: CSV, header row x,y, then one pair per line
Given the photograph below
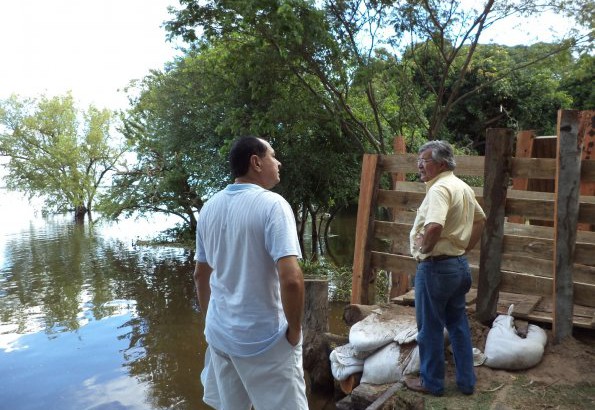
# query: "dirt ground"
x,y
564,379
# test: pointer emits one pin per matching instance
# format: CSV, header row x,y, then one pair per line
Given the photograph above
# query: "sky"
x,y
93,48
90,47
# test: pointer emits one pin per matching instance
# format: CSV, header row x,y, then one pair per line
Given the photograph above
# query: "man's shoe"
x,y
416,385
467,391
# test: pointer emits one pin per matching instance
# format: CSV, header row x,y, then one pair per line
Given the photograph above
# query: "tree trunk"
x,y
79,214
316,345
302,229
314,229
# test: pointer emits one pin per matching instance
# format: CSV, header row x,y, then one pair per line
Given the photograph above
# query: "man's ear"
x,y
255,162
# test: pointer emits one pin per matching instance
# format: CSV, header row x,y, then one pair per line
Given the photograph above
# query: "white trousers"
x,y
273,380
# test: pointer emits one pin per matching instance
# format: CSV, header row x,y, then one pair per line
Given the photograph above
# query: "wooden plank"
x,y
528,246
584,253
406,299
543,232
565,222
543,147
393,231
399,148
405,217
534,168
545,267
378,404
399,282
583,311
532,205
400,199
588,169
405,163
467,165
364,229
518,282
391,262
529,254
524,149
523,304
542,311
587,130
499,143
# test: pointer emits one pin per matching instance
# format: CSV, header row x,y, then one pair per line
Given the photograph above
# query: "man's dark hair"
x,y
241,152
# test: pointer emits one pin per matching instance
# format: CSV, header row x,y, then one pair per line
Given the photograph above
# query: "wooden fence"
x,y
550,269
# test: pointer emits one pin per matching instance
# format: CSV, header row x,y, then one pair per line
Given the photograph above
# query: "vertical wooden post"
x,y
524,149
364,229
566,207
497,172
399,281
587,131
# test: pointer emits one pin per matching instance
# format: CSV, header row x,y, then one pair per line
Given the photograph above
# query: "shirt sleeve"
x,y
478,212
438,205
200,255
281,233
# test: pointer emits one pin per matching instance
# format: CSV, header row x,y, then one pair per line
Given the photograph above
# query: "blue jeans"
x,y
440,289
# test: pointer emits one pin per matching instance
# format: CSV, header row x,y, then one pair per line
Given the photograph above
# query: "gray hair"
x,y
441,152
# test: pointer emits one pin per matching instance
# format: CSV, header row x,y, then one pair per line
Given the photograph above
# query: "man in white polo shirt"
x,y
249,283
449,223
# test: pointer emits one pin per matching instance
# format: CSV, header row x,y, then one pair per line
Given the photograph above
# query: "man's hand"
x,y
293,336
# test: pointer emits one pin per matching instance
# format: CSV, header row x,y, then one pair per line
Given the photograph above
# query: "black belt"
x,y
437,258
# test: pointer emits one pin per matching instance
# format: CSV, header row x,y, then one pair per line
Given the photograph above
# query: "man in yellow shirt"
x,y
449,223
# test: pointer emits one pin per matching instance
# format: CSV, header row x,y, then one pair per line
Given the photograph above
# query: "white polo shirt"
x,y
242,232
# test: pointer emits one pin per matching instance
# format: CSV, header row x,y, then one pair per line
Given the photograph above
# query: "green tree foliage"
x,y
184,119
169,130
56,151
340,50
326,81
521,99
578,80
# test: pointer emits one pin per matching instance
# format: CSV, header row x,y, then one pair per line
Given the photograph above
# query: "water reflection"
x,y
89,320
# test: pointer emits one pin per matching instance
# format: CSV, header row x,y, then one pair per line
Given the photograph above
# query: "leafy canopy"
x,y
57,151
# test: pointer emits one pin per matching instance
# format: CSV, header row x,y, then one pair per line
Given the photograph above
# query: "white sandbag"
x,y
390,363
375,331
505,349
345,361
411,363
406,336
537,335
383,366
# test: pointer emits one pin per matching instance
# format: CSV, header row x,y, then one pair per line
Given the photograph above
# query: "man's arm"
x,y
202,275
476,232
426,242
292,296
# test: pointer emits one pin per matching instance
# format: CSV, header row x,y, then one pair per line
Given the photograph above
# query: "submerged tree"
x,y
56,151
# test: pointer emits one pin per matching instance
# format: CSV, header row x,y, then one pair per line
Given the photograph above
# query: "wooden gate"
x,y
547,271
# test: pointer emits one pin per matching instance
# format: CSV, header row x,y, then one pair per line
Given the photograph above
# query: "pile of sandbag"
x,y
382,348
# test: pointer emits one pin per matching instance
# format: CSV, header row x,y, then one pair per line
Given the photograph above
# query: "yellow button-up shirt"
x,y
451,203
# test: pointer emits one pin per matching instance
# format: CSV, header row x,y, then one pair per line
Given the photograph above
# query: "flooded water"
x,y
89,320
